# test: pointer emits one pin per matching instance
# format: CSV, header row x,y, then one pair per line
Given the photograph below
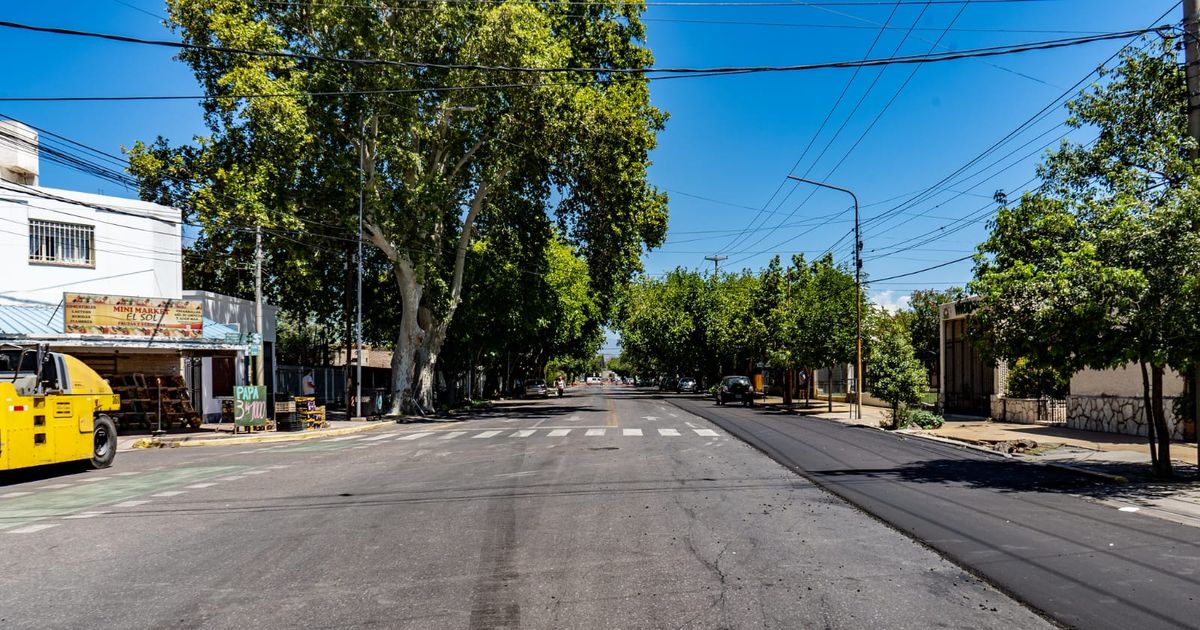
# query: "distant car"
x,y
735,388
687,385
591,380
536,389
667,384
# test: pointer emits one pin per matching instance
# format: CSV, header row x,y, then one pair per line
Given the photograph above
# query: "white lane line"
x,y
414,436
559,432
706,432
29,529
487,434
170,493
86,515
451,435
200,486
129,504
631,432
669,432
594,432
523,433
13,495
378,437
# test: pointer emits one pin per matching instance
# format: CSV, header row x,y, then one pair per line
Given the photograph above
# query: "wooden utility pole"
x,y
1191,56
259,378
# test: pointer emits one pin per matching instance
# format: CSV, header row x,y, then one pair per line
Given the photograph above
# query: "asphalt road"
x,y
1029,529
610,508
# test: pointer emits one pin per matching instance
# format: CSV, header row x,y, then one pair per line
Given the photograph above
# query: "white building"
x,y
55,241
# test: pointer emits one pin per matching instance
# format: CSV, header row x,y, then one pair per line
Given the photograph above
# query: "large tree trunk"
x,y
1163,467
407,341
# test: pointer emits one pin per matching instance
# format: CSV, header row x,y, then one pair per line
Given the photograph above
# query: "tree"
x,y
897,376
1086,271
819,321
434,160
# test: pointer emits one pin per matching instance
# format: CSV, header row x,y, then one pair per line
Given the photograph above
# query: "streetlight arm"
x,y
824,185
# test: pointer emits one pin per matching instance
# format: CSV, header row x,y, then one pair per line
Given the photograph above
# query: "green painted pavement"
x,y
86,495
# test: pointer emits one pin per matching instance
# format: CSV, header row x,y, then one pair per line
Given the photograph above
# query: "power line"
x,y
990,51
913,273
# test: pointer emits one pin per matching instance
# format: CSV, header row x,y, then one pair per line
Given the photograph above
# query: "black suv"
x,y
735,388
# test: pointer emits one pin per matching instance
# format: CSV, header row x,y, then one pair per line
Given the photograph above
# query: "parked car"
x,y
735,388
536,389
686,384
667,384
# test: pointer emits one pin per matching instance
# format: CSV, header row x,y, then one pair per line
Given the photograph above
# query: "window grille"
x,y
54,243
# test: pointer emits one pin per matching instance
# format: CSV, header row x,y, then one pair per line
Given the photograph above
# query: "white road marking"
x,y
29,529
129,504
518,474
669,432
1129,509
379,437
650,418
343,438
124,474
56,486
522,433
256,472
200,486
706,432
170,493
93,479
487,434
673,415
594,432
279,466
13,495
233,478
451,435
631,432
86,515
572,418
559,432
414,436
690,425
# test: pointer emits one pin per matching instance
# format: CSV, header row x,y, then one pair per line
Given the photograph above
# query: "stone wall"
x,y
1117,414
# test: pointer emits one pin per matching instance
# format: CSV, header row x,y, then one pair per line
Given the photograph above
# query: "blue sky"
x,y
730,141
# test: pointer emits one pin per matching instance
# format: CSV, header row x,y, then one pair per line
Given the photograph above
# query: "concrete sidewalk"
x,y
212,435
1121,458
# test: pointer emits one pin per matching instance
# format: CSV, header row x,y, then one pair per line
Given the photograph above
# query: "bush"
x,y
907,416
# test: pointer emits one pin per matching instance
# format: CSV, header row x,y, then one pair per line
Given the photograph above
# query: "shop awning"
x,y
27,323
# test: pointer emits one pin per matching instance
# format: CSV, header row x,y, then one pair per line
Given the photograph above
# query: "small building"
x,y
968,383
100,277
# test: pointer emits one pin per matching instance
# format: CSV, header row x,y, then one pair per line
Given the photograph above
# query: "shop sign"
x,y
89,314
250,405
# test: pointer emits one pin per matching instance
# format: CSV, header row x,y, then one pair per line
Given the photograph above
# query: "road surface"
x,y
610,508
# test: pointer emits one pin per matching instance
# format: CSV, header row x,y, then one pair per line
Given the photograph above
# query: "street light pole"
x,y
716,261
358,327
858,373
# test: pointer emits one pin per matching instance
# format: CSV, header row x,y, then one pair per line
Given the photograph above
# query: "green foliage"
x,y
1097,267
926,320
1026,380
910,416
897,377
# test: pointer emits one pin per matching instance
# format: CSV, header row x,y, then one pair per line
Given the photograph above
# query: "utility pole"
x,y
716,261
858,245
259,379
1191,56
358,327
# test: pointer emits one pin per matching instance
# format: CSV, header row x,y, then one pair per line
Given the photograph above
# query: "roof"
x,y
44,322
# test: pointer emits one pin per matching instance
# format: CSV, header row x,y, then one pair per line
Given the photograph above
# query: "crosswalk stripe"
x,y
705,432
631,432
13,495
451,435
170,493
523,433
487,434
378,437
343,438
129,504
414,436
200,486
594,432
559,432
668,432
29,529
86,515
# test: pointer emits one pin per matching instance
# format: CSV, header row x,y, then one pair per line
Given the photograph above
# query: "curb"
x,y
256,439
1112,478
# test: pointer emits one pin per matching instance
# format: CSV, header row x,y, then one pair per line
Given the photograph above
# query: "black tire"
x,y
750,402
104,442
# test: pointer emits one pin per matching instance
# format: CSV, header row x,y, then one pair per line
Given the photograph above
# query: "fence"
x,y
330,383
1029,410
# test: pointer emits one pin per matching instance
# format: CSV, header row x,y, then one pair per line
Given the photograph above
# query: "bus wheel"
x,y
104,442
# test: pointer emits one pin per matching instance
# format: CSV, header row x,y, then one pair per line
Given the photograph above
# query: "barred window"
x,y
54,243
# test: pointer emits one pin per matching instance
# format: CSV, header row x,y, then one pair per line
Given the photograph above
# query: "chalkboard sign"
x,y
250,406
